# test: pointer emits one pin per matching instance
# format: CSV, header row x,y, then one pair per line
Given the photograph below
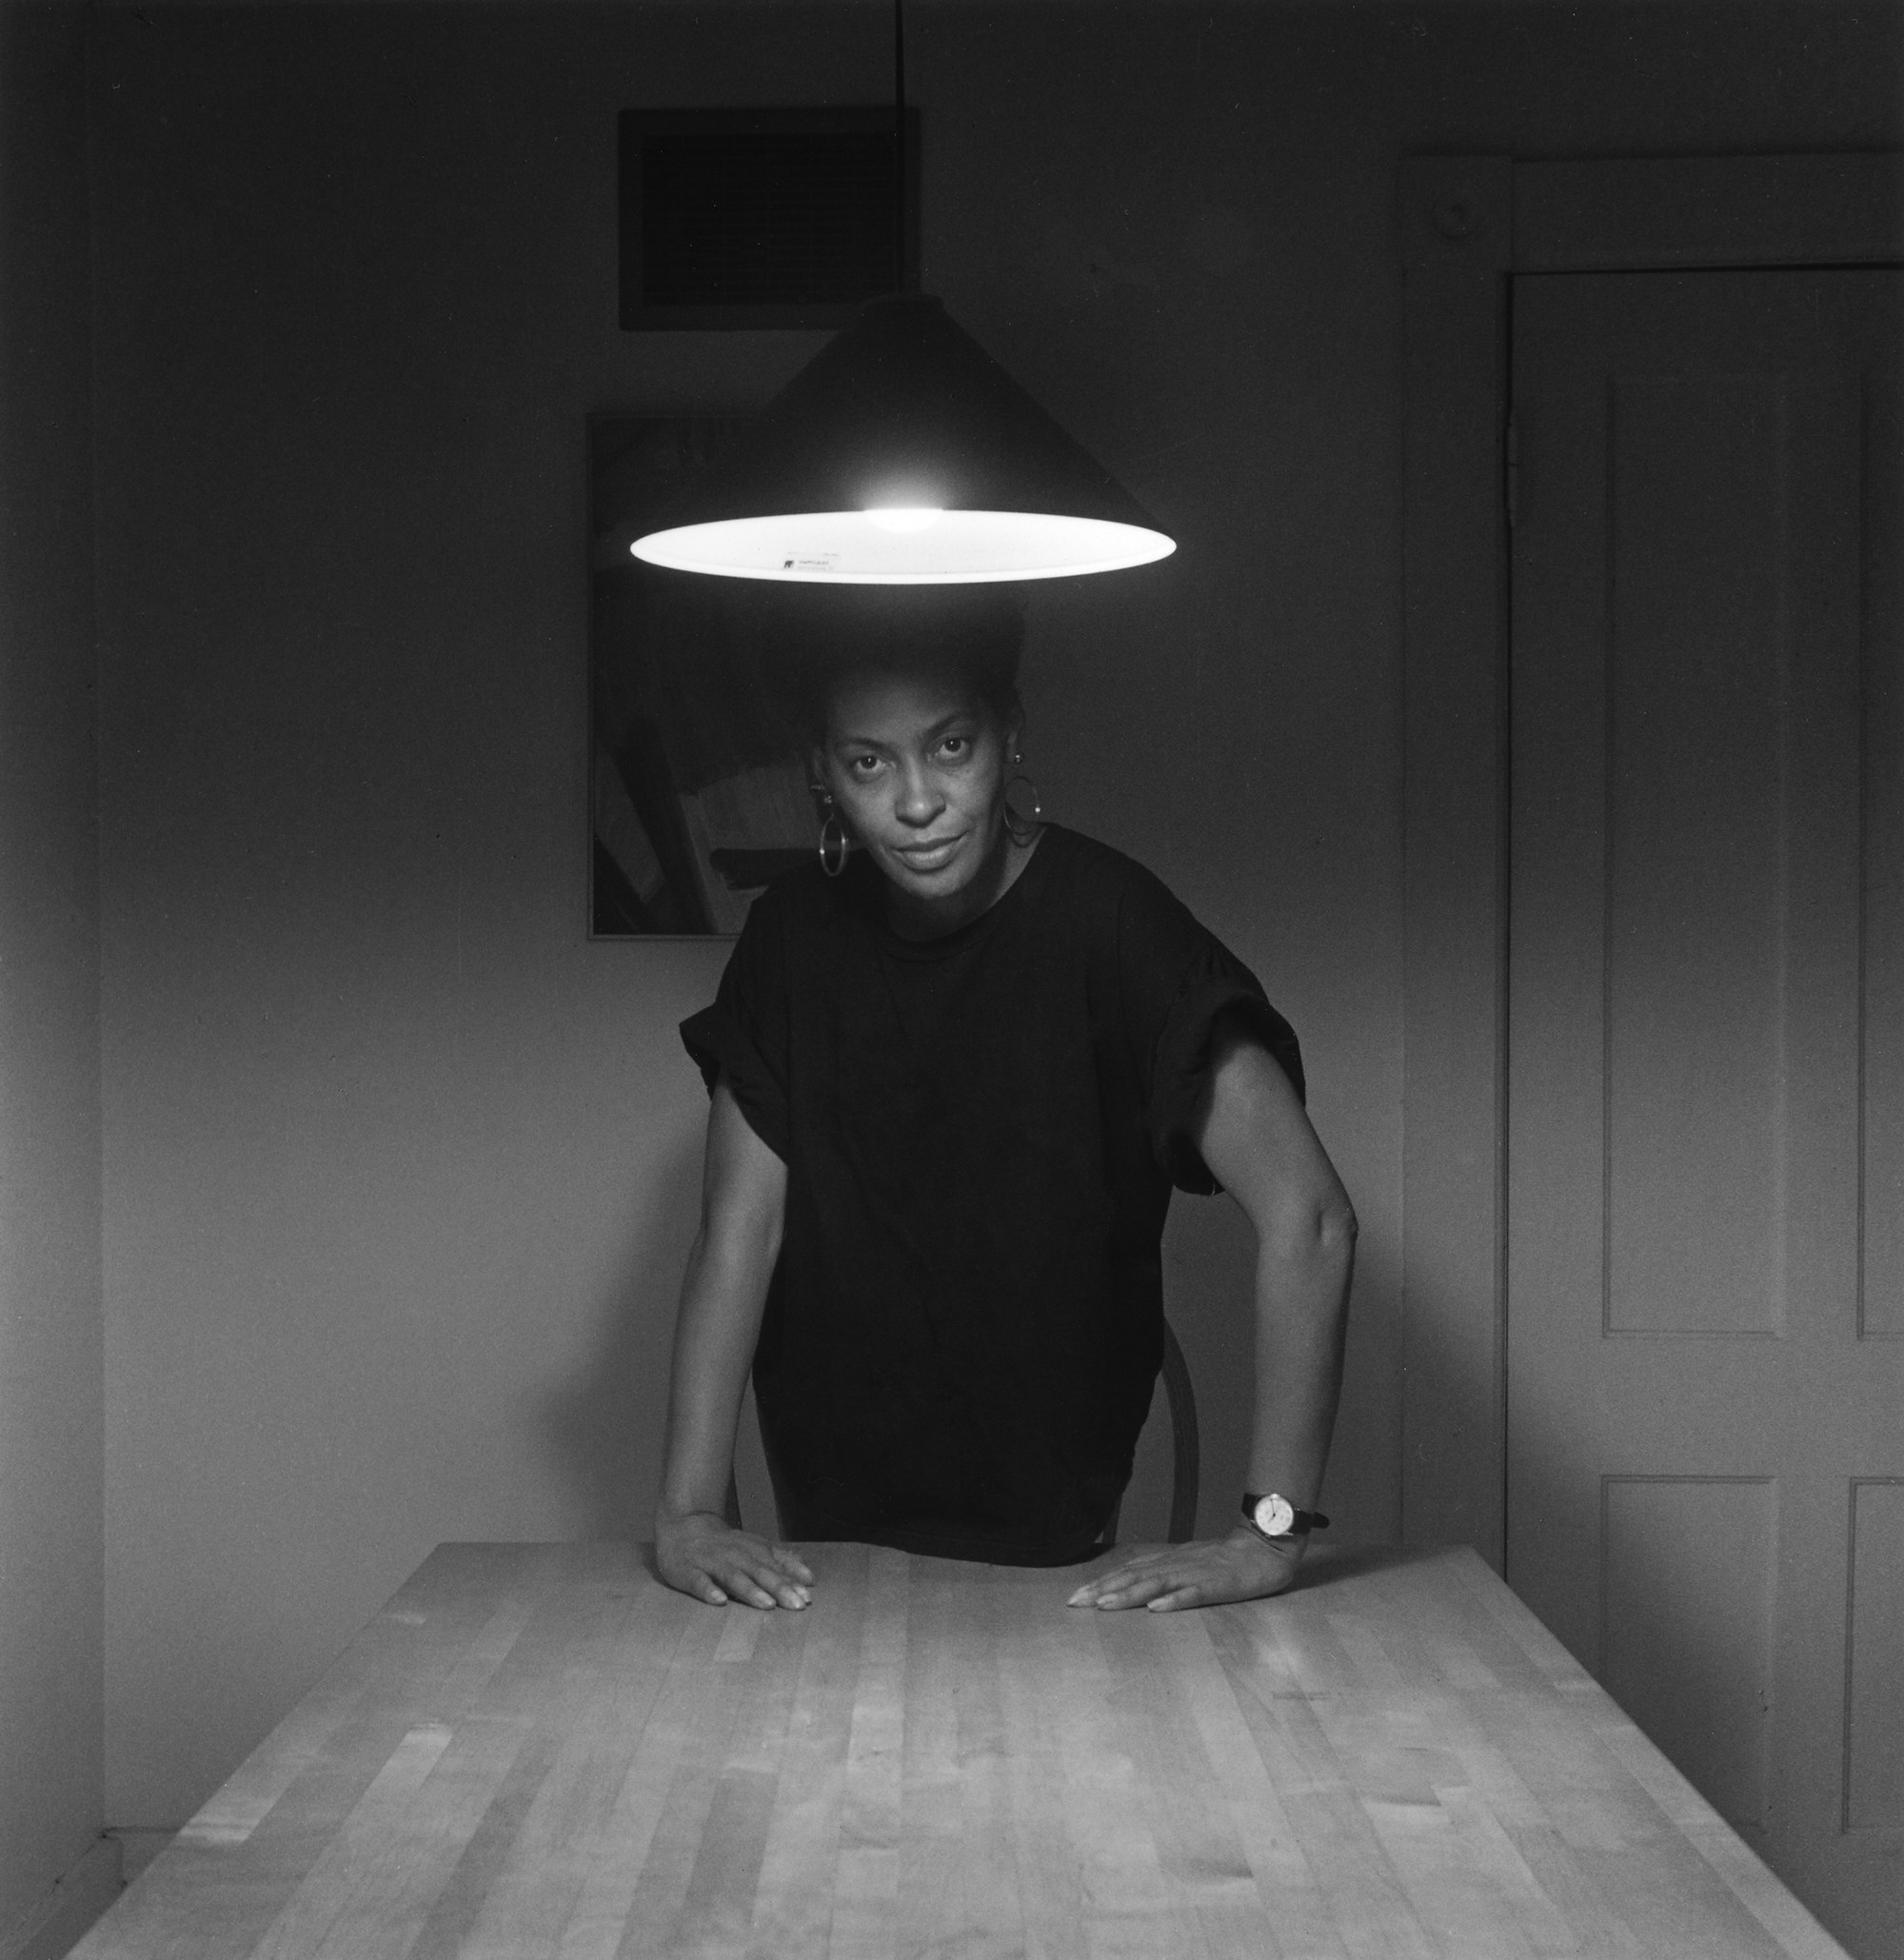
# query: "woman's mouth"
x,y
928,857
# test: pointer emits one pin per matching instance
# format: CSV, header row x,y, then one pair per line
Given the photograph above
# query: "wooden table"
x,y
538,1750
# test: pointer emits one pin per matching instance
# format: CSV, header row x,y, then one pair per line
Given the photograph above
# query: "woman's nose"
x,y
919,797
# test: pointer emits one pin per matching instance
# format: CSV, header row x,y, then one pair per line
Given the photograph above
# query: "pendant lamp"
x,y
903,454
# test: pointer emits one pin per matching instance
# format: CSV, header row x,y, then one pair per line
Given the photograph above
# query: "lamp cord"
x,y
899,146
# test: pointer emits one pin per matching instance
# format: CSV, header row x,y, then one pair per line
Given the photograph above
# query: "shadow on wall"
x,y
604,1427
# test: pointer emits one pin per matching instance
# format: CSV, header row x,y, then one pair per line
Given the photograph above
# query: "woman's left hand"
x,y
1206,1572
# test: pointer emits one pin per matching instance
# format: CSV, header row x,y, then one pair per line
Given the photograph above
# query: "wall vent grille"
x,y
768,217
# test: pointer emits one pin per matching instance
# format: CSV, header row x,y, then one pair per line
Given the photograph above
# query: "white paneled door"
x,y
1705,1391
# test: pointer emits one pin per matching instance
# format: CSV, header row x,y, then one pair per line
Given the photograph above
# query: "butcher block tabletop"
x,y
539,1750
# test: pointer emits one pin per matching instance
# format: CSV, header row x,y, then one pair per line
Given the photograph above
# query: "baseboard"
x,y
52,1926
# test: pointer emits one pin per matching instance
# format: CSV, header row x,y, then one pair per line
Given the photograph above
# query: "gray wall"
x,y
400,1170
50,1401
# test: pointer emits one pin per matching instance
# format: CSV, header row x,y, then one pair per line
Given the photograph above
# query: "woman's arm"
x,y
742,1212
1258,1142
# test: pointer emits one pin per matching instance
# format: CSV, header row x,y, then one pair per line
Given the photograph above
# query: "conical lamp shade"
x,y
904,454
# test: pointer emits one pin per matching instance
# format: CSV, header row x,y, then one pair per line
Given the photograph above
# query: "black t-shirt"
x,y
980,1133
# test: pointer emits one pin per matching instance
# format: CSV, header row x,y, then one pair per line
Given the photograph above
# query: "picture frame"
x,y
697,792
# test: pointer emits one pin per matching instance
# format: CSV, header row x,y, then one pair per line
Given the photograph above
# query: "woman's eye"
x,y
956,745
863,765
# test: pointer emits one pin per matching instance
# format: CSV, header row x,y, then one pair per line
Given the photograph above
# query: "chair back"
x,y
1187,1454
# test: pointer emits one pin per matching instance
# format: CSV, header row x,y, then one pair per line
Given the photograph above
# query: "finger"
x,y
1122,1573
1139,1591
706,1590
742,1585
786,1591
1181,1596
791,1563
751,1592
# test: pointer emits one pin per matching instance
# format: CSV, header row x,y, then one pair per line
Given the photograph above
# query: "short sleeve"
x,y
745,1031
1178,979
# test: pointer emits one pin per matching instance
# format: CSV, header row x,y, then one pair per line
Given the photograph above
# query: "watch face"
x,y
1274,1516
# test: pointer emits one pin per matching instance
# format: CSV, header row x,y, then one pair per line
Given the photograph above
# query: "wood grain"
x,y
537,1749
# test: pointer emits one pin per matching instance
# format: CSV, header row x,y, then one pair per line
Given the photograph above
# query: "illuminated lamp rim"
x,y
1145,546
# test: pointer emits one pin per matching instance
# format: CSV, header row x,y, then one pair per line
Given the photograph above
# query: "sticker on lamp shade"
x,y
904,545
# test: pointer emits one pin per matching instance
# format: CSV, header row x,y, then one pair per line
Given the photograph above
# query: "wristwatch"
x,y
1276,1517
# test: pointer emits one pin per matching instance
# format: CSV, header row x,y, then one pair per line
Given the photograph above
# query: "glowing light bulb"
x,y
914,517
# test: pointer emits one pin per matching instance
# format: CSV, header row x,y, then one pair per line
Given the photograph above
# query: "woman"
x,y
954,1074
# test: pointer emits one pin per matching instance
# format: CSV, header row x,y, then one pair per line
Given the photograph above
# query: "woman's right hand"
x,y
701,1555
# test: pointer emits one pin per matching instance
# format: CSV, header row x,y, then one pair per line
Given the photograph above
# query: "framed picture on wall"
x,y
697,792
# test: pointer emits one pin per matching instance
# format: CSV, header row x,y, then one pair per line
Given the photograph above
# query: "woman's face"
x,y
916,764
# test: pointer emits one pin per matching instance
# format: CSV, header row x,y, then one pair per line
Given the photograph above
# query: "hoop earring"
x,y
1023,828
834,842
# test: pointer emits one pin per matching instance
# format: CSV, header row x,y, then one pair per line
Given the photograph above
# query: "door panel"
x,y
1686,1625
1706,1047
1694,946
1874,1731
1881,1290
